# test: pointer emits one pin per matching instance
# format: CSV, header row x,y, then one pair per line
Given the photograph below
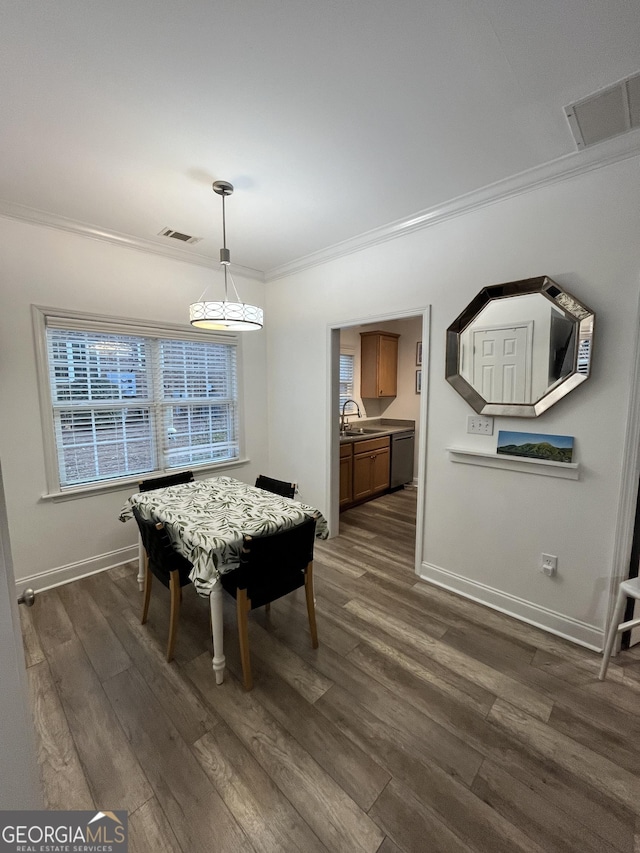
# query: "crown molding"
x,y
572,165
12,210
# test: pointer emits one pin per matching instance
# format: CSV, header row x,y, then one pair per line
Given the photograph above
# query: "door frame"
x,y
628,495
333,407
20,786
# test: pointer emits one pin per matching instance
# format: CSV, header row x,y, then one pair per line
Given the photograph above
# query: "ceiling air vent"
x,y
178,235
607,113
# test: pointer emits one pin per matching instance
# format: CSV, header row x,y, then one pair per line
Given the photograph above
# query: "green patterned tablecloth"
x,y
207,518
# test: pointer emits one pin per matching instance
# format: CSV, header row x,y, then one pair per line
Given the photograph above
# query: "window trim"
x,y
46,317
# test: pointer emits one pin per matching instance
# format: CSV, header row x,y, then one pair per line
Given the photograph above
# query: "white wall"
x,y
484,530
49,267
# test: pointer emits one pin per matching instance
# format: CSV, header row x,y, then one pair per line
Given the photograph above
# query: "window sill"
x,y
92,489
545,467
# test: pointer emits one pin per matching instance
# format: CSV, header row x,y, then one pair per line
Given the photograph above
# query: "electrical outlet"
x,y
549,565
478,425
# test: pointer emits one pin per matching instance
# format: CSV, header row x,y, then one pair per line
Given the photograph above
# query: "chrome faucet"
x,y
343,417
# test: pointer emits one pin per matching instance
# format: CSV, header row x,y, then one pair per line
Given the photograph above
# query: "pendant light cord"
x,y
227,256
224,246
224,224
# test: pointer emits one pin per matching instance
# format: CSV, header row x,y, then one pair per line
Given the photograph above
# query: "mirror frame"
x,y
565,303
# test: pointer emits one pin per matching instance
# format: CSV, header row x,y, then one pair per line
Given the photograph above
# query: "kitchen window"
x,y
122,399
346,381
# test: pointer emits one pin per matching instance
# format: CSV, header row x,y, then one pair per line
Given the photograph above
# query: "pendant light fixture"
x,y
225,316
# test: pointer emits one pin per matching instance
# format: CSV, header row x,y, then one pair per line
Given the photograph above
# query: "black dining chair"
x,y
272,566
170,567
168,480
277,487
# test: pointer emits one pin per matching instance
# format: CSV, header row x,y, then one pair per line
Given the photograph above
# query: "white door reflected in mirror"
x,y
517,347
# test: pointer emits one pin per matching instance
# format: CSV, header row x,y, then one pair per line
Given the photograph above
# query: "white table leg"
x,y
215,601
140,577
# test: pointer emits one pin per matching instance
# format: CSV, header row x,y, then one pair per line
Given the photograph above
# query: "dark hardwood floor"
x,y
423,722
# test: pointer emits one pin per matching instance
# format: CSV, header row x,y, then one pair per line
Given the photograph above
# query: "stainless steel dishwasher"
x,y
402,450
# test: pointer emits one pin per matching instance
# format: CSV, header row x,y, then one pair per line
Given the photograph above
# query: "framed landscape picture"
x,y
418,382
554,448
419,354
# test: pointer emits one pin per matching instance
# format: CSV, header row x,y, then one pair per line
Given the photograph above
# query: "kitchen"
x,y
380,384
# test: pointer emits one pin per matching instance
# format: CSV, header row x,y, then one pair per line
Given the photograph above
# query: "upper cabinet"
x,y
378,364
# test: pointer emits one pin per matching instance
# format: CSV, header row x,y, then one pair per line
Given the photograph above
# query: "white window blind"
x,y
346,382
129,404
203,426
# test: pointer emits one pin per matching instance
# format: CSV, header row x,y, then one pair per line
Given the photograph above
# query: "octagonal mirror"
x,y
519,347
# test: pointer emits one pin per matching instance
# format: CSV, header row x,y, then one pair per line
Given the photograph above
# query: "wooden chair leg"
x,y
311,607
146,595
242,610
174,588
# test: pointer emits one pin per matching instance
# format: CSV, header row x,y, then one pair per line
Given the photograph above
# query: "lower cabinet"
x,y
369,469
346,475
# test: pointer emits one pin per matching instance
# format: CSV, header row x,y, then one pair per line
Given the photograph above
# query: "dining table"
x,y
206,521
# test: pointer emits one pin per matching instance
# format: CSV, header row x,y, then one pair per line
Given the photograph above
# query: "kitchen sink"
x,y
364,431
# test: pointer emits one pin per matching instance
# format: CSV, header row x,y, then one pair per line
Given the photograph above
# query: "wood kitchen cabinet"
x,y
378,364
370,467
346,475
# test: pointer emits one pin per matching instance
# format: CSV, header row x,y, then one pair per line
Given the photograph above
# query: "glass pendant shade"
x,y
225,315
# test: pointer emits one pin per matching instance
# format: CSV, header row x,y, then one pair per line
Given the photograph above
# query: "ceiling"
x,y
330,117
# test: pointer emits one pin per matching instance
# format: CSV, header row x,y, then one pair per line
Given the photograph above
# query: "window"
x,y
346,382
123,399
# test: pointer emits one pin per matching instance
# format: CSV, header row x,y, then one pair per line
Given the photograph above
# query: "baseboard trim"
x,y
51,578
581,633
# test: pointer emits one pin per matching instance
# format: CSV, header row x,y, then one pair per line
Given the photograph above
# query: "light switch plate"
x,y
477,425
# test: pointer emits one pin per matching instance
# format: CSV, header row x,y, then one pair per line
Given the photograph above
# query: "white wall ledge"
x,y
545,467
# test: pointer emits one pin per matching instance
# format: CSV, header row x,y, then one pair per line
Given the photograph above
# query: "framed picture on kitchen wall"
x,y
418,381
419,354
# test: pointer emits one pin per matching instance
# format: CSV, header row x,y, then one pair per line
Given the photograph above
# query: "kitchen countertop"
x,y
386,427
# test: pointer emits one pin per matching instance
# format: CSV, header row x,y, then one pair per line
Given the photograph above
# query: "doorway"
x,y
19,776
410,403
